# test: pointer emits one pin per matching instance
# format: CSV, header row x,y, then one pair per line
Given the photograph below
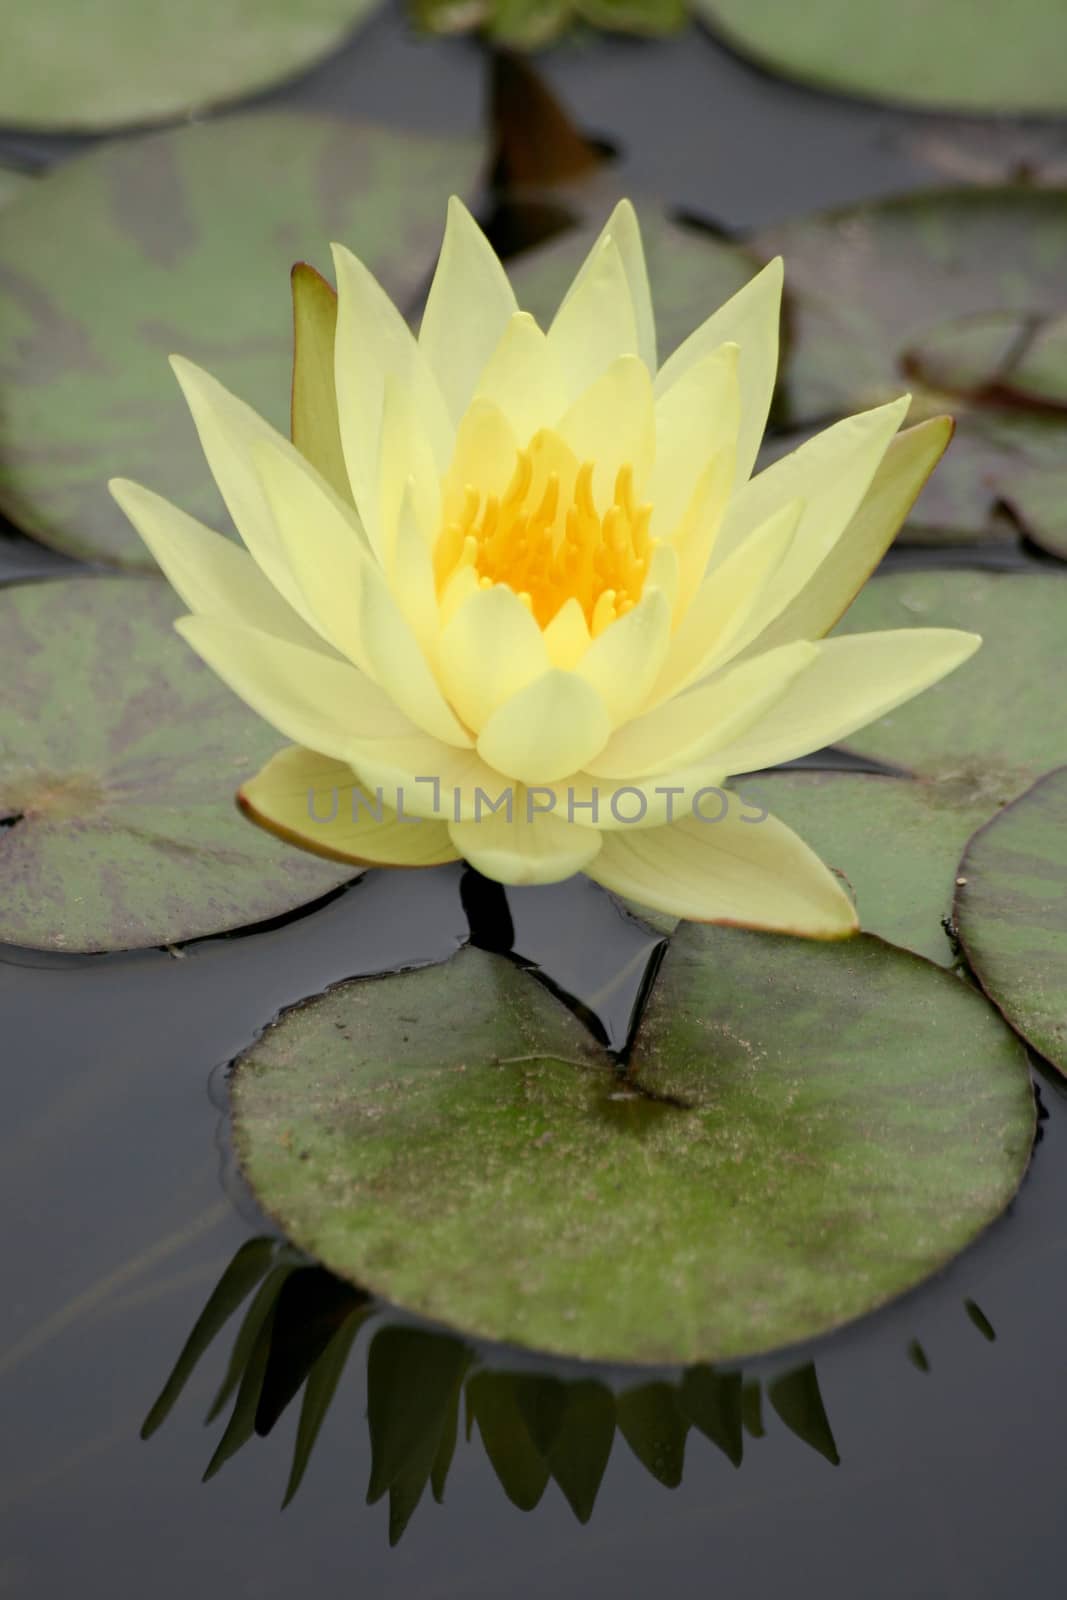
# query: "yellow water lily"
x,y
517,597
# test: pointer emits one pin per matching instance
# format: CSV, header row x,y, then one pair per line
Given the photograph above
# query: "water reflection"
x,y
297,1333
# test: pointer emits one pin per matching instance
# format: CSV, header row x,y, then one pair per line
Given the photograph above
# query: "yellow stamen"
x,y
549,543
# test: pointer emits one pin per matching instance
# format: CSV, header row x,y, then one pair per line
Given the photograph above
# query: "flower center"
x,y
548,542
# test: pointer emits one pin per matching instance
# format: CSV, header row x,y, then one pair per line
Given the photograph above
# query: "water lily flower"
x,y
518,598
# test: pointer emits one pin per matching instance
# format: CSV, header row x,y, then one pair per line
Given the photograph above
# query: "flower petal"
x,y
596,321
323,544
522,378
551,727
854,680
625,229
613,425
625,661
214,576
567,636
469,305
750,320
831,473
749,874
406,466
374,343
694,726
316,803
697,420
518,845
898,482
310,698
399,665
719,622
484,457
228,431
315,427
490,650
411,576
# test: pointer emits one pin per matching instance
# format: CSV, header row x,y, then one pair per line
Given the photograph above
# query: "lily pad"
x,y
11,184
957,55
691,272
995,725
183,241
1011,906
960,297
896,841
530,24
68,66
454,1140
119,757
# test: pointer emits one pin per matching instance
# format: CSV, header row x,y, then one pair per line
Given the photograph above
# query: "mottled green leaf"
x,y
183,241
120,754
68,64
963,55
468,1151
958,297
11,184
1011,906
996,723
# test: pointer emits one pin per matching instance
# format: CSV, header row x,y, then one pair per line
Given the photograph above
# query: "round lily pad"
x,y
119,757
68,65
805,1131
183,241
959,297
896,841
1011,906
690,270
956,54
11,184
997,723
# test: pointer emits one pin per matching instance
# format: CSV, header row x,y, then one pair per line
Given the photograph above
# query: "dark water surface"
x,y
946,1414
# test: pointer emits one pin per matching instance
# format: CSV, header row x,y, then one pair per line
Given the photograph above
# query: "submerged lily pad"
x,y
957,54
119,757
1011,906
958,296
183,241
67,65
806,1130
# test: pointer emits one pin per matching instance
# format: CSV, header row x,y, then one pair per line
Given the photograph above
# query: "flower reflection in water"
x,y
298,1331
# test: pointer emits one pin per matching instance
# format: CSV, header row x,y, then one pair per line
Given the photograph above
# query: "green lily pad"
x,y
897,842
995,725
70,66
119,757
454,1140
1011,906
11,184
183,241
530,24
956,55
691,272
960,297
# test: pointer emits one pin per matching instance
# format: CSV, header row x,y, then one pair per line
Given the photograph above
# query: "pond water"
x,y
918,1452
